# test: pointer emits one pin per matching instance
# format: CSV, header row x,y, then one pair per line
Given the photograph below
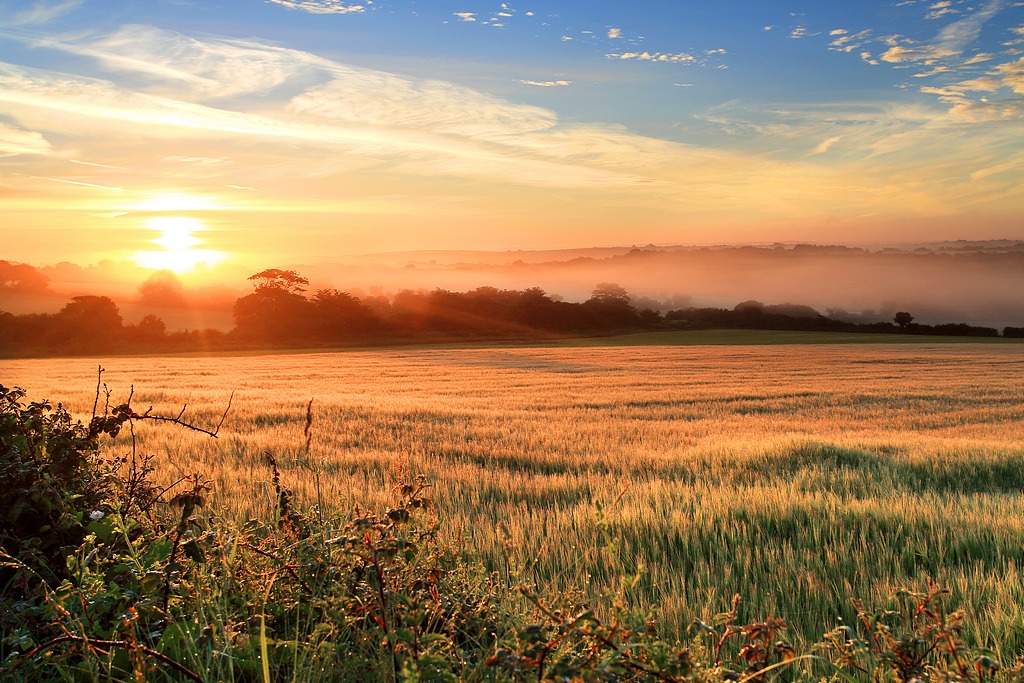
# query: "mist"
x,y
979,283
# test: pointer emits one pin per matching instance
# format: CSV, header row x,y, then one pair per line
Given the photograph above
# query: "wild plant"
x,y
916,639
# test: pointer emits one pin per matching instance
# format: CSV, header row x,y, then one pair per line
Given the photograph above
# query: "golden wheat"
x,y
798,476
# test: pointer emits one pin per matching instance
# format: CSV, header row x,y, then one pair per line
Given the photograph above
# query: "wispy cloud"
x,y
323,6
547,84
951,41
79,183
948,64
844,41
42,12
979,58
920,156
380,100
663,57
825,145
419,126
940,9
14,142
198,161
1012,74
187,67
350,125
247,114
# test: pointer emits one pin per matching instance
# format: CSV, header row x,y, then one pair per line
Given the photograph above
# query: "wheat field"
x,y
798,476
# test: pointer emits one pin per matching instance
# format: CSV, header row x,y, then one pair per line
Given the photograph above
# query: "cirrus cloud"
x,y
322,6
547,84
14,142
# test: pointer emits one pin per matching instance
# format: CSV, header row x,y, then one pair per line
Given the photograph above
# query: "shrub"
x,y
50,482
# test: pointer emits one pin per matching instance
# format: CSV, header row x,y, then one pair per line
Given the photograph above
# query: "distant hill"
x,y
467,256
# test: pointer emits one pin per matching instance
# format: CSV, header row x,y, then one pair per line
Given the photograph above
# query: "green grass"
x,y
772,337
720,337
664,338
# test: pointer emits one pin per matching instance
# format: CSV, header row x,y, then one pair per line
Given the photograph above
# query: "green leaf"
x,y
157,552
152,582
103,528
177,639
431,638
194,552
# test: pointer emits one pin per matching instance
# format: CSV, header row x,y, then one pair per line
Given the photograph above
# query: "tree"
x,y
649,317
150,329
609,308
284,280
277,310
751,307
88,323
537,309
610,293
93,311
339,315
409,310
163,288
903,319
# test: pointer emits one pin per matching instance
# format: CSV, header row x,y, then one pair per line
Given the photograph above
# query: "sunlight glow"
x,y
177,240
174,201
177,232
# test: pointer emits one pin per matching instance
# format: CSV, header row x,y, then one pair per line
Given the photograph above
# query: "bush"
x,y
50,482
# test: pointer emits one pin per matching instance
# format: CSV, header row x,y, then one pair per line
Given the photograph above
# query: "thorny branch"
x,y
111,421
179,421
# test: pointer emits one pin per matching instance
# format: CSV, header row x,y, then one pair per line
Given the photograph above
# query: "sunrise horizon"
x,y
337,127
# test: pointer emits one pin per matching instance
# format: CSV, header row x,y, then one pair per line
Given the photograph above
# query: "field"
x,y
799,476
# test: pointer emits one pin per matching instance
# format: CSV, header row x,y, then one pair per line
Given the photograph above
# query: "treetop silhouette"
x,y
275,278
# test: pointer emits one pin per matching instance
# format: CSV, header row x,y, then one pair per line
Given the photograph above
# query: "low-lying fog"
x,y
980,283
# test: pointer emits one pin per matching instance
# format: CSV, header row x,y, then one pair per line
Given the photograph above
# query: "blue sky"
x,y
479,124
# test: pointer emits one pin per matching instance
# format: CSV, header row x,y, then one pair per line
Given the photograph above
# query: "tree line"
x,y
280,313
279,310
755,315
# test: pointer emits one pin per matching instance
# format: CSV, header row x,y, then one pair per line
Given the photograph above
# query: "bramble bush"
x,y
107,577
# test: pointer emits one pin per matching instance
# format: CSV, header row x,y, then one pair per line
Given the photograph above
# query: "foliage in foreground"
x,y
105,577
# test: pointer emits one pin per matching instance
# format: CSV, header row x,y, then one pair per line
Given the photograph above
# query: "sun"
x,y
178,242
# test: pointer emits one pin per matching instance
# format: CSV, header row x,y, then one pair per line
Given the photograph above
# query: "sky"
x,y
181,133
